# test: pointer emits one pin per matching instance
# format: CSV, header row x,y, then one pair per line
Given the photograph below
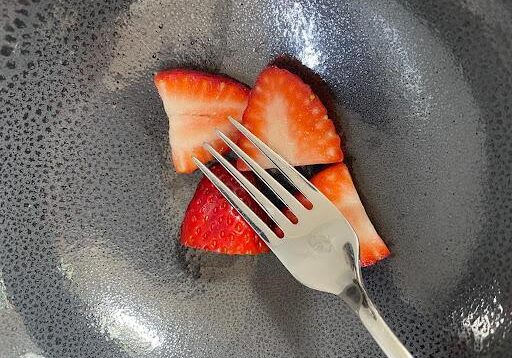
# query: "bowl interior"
x,y
92,207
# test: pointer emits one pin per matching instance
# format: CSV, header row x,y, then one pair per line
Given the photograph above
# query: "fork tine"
x,y
272,211
250,217
284,195
297,179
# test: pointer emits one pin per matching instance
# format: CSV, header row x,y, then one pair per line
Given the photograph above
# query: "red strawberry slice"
x,y
196,104
336,184
212,224
285,113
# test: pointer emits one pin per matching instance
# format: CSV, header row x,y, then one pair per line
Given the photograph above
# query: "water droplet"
x,y
6,51
10,38
23,12
19,24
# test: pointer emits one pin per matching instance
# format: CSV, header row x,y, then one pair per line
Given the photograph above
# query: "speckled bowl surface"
x,y
90,205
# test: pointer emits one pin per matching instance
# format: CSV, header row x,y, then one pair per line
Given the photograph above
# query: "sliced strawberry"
x,y
196,104
212,224
336,184
285,113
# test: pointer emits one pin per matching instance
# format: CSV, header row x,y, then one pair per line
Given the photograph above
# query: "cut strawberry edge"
x,y
285,114
336,184
373,252
197,103
169,74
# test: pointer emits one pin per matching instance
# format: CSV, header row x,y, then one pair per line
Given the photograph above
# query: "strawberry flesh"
x,y
284,113
196,104
336,184
212,224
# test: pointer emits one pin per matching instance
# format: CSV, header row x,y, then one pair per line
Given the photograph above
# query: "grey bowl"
x,y
90,206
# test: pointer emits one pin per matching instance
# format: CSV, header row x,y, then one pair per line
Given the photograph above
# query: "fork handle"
x,y
355,295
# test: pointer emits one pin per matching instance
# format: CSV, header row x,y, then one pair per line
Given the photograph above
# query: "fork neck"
x,y
356,297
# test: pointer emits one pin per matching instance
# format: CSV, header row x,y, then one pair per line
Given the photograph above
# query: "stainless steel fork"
x,y
321,250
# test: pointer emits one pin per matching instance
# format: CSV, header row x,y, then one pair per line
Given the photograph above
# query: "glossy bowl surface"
x,y
90,206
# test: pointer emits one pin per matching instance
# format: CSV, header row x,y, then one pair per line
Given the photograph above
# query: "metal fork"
x,y
321,250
